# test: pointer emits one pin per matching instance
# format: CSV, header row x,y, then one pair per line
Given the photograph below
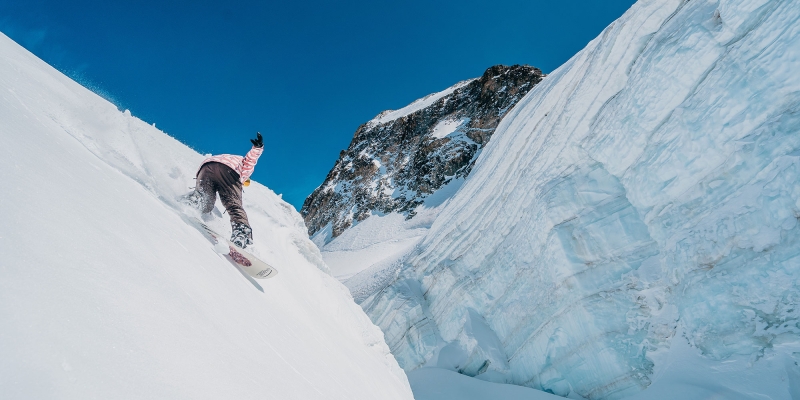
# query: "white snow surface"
x,y
419,104
446,127
107,293
369,254
379,237
634,217
442,384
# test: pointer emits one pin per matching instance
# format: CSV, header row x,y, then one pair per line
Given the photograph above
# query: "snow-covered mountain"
x,y
630,230
401,157
105,291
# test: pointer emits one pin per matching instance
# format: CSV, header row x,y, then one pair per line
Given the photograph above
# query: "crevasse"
x,y
647,190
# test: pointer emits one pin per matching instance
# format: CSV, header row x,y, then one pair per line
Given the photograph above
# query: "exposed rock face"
x,y
400,157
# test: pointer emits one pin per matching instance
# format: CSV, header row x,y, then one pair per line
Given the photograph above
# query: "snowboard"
x,y
243,259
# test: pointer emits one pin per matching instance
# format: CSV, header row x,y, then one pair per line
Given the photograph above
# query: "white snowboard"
x,y
246,261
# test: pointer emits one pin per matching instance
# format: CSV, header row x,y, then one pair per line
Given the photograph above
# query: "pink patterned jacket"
x,y
243,166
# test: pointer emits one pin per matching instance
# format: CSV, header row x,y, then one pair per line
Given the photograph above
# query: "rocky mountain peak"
x,y
400,157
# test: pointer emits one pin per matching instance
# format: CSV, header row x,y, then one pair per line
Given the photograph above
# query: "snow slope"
x,y
641,200
105,292
369,254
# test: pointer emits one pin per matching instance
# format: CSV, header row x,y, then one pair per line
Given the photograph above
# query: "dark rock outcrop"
x,y
400,157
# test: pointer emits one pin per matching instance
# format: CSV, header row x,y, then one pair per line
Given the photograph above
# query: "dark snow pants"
x,y
214,178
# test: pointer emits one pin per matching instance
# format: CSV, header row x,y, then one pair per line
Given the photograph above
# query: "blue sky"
x,y
305,74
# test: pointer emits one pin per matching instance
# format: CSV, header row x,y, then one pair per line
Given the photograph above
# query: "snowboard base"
x,y
243,259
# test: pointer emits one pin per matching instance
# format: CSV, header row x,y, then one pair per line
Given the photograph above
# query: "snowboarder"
x,y
225,174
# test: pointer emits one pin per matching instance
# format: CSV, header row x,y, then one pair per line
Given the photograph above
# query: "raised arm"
x,y
250,160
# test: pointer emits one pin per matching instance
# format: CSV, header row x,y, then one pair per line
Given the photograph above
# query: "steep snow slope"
x,y
106,293
642,198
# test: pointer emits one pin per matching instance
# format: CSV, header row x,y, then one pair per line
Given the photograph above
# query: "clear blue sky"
x,y
304,73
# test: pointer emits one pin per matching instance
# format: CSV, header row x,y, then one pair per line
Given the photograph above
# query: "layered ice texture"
x,y
643,198
106,292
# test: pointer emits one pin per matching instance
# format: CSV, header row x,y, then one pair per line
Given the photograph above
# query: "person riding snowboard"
x,y
225,174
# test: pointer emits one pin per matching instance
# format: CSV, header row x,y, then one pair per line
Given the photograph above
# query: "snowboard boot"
x,y
193,199
241,234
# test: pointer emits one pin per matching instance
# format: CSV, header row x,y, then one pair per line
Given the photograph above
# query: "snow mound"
x,y
108,293
368,255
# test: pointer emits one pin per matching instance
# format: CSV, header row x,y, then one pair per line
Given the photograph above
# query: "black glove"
x,y
258,141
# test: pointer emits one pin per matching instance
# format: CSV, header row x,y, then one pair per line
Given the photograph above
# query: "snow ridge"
x,y
419,104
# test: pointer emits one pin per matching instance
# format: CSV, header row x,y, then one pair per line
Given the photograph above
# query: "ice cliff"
x,y
642,197
105,291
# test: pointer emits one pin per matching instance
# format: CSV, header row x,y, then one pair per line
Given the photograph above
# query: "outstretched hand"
x,y
258,141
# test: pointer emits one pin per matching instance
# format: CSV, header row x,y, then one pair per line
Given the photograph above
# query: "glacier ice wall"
x,y
648,188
